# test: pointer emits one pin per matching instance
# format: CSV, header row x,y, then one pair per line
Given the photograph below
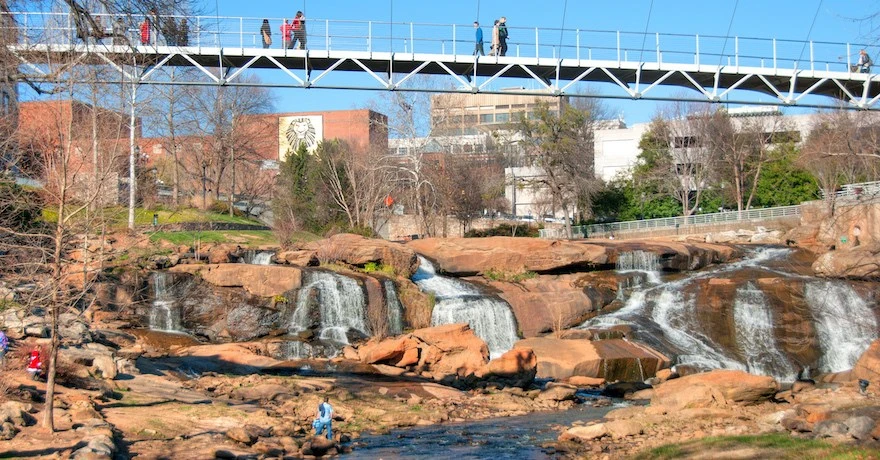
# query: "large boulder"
x,y
471,256
259,280
443,351
517,367
354,250
715,388
546,303
868,365
860,262
613,359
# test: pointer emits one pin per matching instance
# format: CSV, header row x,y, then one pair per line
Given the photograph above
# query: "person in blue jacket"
x,y
324,418
478,46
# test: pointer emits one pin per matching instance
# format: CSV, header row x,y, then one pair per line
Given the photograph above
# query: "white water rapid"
x,y
845,324
394,309
460,302
258,257
164,313
341,306
645,262
755,337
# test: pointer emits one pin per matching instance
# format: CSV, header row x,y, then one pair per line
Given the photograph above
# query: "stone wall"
x,y
399,228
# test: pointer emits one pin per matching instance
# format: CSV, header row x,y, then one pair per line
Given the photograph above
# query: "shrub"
x,y
508,276
526,231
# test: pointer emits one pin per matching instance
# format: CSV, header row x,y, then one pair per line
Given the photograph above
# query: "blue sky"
x,y
783,19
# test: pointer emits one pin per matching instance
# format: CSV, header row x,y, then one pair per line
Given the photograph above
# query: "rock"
x,y
801,385
830,429
585,433
471,256
318,446
773,237
16,413
302,258
868,365
388,351
547,302
454,349
640,395
247,434
860,427
358,250
259,280
796,424
613,359
719,387
581,381
517,367
219,256
557,393
7,431
665,374
622,389
626,413
619,429
106,366
262,392
860,262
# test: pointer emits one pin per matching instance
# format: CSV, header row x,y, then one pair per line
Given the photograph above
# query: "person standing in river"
x,y
324,418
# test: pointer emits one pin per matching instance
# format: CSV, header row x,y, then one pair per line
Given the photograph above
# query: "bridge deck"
x,y
391,54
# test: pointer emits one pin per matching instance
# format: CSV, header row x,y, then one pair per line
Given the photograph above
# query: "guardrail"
x,y
586,231
455,39
859,190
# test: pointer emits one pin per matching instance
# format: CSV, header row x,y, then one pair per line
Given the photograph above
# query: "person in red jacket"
x,y
146,26
35,363
286,34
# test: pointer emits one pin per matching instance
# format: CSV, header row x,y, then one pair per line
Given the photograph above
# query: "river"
x,y
497,438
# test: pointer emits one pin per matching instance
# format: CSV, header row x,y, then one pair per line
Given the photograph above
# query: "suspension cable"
x,y
727,35
810,32
645,34
562,29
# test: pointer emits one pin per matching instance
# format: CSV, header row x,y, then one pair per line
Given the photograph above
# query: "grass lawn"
x,y
117,216
242,237
774,445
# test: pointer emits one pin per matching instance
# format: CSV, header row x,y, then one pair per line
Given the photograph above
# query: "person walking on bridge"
x,y
286,34
502,36
864,62
299,30
478,46
266,34
495,42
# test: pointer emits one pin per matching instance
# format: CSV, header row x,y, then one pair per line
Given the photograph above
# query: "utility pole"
x,y
132,158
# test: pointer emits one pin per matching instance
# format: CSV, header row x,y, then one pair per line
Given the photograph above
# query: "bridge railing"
x,y
458,39
585,231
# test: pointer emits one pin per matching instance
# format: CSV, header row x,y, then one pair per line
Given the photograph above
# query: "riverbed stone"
x,y
868,365
613,359
719,387
585,433
860,427
259,280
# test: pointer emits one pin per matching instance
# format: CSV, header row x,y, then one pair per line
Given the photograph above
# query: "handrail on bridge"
x,y
712,51
585,231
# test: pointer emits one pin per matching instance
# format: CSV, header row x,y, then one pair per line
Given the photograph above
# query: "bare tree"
x,y
359,181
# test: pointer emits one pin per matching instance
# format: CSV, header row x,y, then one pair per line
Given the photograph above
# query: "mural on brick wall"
x,y
297,130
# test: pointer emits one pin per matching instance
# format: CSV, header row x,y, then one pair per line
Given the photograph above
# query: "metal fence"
x,y
585,231
58,28
858,191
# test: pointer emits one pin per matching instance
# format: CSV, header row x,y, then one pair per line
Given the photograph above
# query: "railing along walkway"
x,y
635,62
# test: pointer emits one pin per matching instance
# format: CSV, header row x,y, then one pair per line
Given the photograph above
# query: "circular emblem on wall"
x,y
301,131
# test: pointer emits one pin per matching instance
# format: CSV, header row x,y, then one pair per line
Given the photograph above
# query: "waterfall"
x,y
845,324
460,302
754,335
676,317
640,261
297,350
164,313
341,305
258,257
394,308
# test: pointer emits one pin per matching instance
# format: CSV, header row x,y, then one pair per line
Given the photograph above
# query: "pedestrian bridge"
x,y
391,56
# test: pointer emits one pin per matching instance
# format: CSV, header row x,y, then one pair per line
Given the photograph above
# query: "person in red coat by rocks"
x,y
35,363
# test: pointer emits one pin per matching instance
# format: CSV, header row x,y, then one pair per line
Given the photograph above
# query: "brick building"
x,y
95,142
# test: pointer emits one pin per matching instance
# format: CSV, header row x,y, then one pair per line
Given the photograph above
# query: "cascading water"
x,y
754,335
394,309
645,262
164,313
341,305
665,318
258,257
845,324
460,302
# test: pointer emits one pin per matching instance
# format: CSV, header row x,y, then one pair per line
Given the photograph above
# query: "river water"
x,y
497,438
